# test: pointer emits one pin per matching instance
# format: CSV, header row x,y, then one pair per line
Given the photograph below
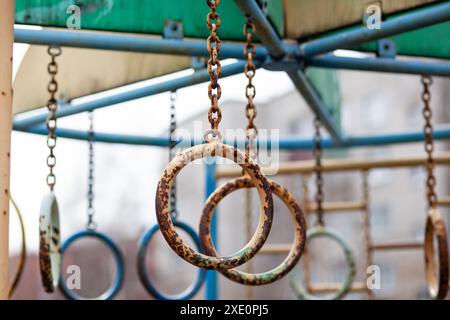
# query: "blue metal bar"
x,y
420,18
212,292
267,33
381,65
276,49
124,42
308,92
171,85
284,143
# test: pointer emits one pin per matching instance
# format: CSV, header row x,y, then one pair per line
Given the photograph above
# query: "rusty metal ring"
x,y
23,252
167,227
317,232
49,243
437,279
298,244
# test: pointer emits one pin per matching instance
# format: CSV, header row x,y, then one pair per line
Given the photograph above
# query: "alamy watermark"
x,y
73,281
372,17
373,281
266,146
73,22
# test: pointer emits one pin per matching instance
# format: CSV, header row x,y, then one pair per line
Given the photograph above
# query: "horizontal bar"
x,y
315,102
332,207
269,249
420,18
126,42
283,144
306,167
405,245
381,65
99,136
266,32
153,89
444,201
333,287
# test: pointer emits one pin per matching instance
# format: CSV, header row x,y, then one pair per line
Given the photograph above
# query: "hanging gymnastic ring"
x,y
296,285
298,244
118,258
213,149
435,226
144,276
23,252
49,243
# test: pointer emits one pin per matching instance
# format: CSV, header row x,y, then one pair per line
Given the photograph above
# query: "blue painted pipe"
x,y
283,144
212,290
266,32
381,65
170,85
420,18
313,99
119,42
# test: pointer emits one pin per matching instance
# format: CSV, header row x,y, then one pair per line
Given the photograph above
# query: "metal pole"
x,y
381,65
266,32
119,42
417,19
211,292
6,57
284,143
171,85
313,99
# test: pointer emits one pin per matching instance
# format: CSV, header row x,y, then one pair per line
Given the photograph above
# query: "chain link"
x,y
52,106
250,90
429,146
172,152
318,152
213,65
91,224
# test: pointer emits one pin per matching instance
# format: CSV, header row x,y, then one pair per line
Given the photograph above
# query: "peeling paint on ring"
x,y
165,221
298,244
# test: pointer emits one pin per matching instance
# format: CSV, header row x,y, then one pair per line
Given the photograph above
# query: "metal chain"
x,y
52,106
172,152
91,224
307,278
213,65
250,90
429,146
251,132
318,152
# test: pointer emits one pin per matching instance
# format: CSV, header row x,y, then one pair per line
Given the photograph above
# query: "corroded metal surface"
x,y
297,247
296,285
49,243
437,277
214,149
